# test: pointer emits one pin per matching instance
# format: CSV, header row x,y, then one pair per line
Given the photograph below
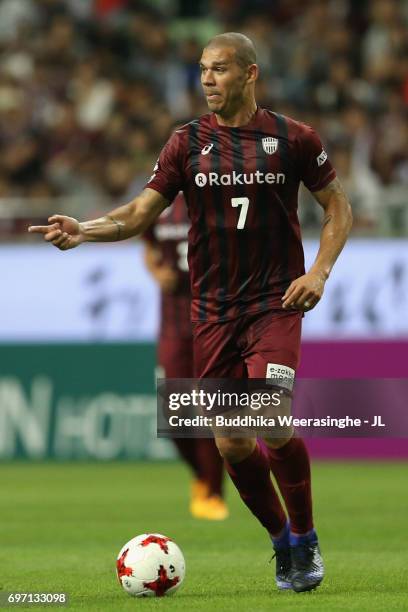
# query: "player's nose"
x,y
207,78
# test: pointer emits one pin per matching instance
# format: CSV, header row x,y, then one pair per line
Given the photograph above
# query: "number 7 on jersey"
x,y
244,203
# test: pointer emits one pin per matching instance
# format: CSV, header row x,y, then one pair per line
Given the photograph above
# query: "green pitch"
x,y
61,527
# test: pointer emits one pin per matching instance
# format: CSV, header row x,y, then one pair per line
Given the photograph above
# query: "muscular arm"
x,y
305,292
126,221
336,226
129,220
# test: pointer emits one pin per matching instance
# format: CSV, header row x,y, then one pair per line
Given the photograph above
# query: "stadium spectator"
x,y
118,73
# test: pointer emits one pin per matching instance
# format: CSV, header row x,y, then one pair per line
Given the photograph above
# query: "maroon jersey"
x,y
241,188
169,236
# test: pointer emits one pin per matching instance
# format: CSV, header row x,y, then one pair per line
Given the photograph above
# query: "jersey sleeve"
x,y
168,176
316,170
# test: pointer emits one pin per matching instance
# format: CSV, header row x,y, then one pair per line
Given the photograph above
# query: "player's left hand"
x,y
304,292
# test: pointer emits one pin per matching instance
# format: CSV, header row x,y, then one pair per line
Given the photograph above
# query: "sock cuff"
x,y
307,538
282,541
293,445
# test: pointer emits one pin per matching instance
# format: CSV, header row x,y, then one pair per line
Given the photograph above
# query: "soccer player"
x,y
239,167
166,259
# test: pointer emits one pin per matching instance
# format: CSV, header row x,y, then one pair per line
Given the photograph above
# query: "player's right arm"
x,y
163,274
124,222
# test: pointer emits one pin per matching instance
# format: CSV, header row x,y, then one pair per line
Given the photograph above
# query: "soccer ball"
x,y
150,565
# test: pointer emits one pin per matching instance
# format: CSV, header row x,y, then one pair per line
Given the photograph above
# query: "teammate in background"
x,y
166,259
240,167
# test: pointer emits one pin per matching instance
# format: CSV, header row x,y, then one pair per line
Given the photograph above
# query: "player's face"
x,y
223,79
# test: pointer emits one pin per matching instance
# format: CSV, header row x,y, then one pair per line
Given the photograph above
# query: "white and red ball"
x,y
150,565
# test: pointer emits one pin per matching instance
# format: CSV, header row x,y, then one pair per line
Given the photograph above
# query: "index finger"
x,y
292,298
42,229
289,291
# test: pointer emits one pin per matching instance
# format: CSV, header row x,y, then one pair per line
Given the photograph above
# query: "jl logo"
x,y
270,145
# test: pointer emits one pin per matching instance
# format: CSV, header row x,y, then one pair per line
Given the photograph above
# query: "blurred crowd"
x,y
90,90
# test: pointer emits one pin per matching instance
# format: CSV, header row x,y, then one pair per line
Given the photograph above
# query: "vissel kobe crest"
x,y
270,144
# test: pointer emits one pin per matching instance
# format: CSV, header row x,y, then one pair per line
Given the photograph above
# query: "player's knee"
x,y
275,443
235,449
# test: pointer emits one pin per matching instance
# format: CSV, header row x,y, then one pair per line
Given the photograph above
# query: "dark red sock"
x,y
188,451
211,464
253,480
291,467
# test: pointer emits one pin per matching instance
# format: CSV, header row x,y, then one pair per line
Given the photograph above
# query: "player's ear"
x,y
253,73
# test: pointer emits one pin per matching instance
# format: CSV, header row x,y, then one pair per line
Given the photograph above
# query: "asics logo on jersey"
x,y
239,178
321,158
206,149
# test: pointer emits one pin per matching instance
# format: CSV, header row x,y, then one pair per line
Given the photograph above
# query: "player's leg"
x,y
175,356
290,465
247,463
211,504
252,478
273,348
217,356
171,364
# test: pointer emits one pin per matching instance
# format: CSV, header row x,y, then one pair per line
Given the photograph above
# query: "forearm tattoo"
x,y
327,219
118,226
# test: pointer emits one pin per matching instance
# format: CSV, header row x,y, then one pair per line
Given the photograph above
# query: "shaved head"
x,y
228,75
245,53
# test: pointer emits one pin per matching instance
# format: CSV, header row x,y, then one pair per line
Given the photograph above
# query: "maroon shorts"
x,y
261,345
175,357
